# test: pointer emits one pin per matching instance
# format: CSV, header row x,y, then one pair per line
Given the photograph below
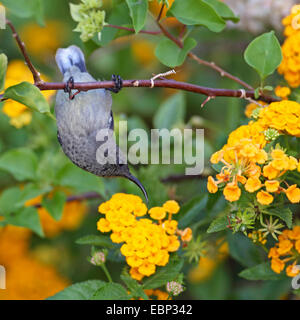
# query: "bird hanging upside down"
x,y
81,115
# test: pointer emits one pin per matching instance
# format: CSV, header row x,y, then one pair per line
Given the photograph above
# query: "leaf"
x,y
164,274
29,95
284,214
223,10
3,67
190,210
138,12
9,199
197,12
171,112
264,54
218,224
111,291
170,54
79,291
78,179
134,287
21,163
93,240
243,250
55,205
261,271
27,217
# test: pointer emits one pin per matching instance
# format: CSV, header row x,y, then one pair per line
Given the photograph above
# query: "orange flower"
x,y
253,184
273,253
135,274
232,192
186,234
212,187
297,245
277,265
282,92
264,197
217,157
270,172
295,233
284,247
293,193
272,185
292,270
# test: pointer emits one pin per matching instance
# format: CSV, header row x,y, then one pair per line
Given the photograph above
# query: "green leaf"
x,y
197,12
22,163
191,209
171,112
79,291
264,54
78,179
27,217
138,12
9,200
111,291
261,271
164,274
170,54
29,95
223,10
134,287
93,240
3,67
218,224
284,214
55,205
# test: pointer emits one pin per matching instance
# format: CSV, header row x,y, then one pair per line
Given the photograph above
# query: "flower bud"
x,y
98,258
174,288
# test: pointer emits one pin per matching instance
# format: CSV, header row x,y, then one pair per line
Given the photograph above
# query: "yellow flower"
x,y
297,246
232,192
186,234
270,172
140,210
135,274
147,268
282,92
292,270
127,250
284,247
103,225
273,253
174,243
295,233
116,237
264,197
212,187
217,157
157,213
293,193
170,226
253,184
134,261
272,185
277,265
171,206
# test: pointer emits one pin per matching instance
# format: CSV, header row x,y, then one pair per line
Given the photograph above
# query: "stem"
x,y
132,30
103,266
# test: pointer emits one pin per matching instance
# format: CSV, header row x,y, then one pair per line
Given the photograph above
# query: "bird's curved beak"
x,y
139,184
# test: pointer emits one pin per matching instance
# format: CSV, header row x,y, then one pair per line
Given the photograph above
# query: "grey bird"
x,y
81,116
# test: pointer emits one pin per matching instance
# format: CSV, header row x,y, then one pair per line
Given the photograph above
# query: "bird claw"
x,y
68,87
118,83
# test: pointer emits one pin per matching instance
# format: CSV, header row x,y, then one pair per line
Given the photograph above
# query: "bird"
x,y
81,115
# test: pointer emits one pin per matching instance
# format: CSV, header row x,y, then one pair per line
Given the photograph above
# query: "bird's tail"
x,y
68,57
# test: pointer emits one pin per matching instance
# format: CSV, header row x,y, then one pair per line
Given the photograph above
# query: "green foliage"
x,y
79,291
111,291
260,272
264,54
135,289
93,240
171,112
284,214
223,10
197,12
218,224
3,67
55,204
170,54
29,95
138,12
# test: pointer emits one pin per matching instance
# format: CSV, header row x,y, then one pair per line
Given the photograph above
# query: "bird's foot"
x,y
118,83
68,87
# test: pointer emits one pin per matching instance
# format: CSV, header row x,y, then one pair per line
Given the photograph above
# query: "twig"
x,y
207,100
212,65
132,30
182,177
160,12
35,73
215,92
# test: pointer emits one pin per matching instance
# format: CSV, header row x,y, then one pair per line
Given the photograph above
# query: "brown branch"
x,y
132,30
173,84
211,65
182,177
35,73
160,12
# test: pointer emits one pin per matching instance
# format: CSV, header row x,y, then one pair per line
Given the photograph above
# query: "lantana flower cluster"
x,y
147,243
248,164
286,251
290,65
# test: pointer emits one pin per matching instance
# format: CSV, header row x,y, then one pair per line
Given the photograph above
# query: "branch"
x,y
211,65
132,30
21,44
182,177
173,84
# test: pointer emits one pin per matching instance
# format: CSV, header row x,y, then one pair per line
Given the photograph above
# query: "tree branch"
x,y
173,84
211,65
